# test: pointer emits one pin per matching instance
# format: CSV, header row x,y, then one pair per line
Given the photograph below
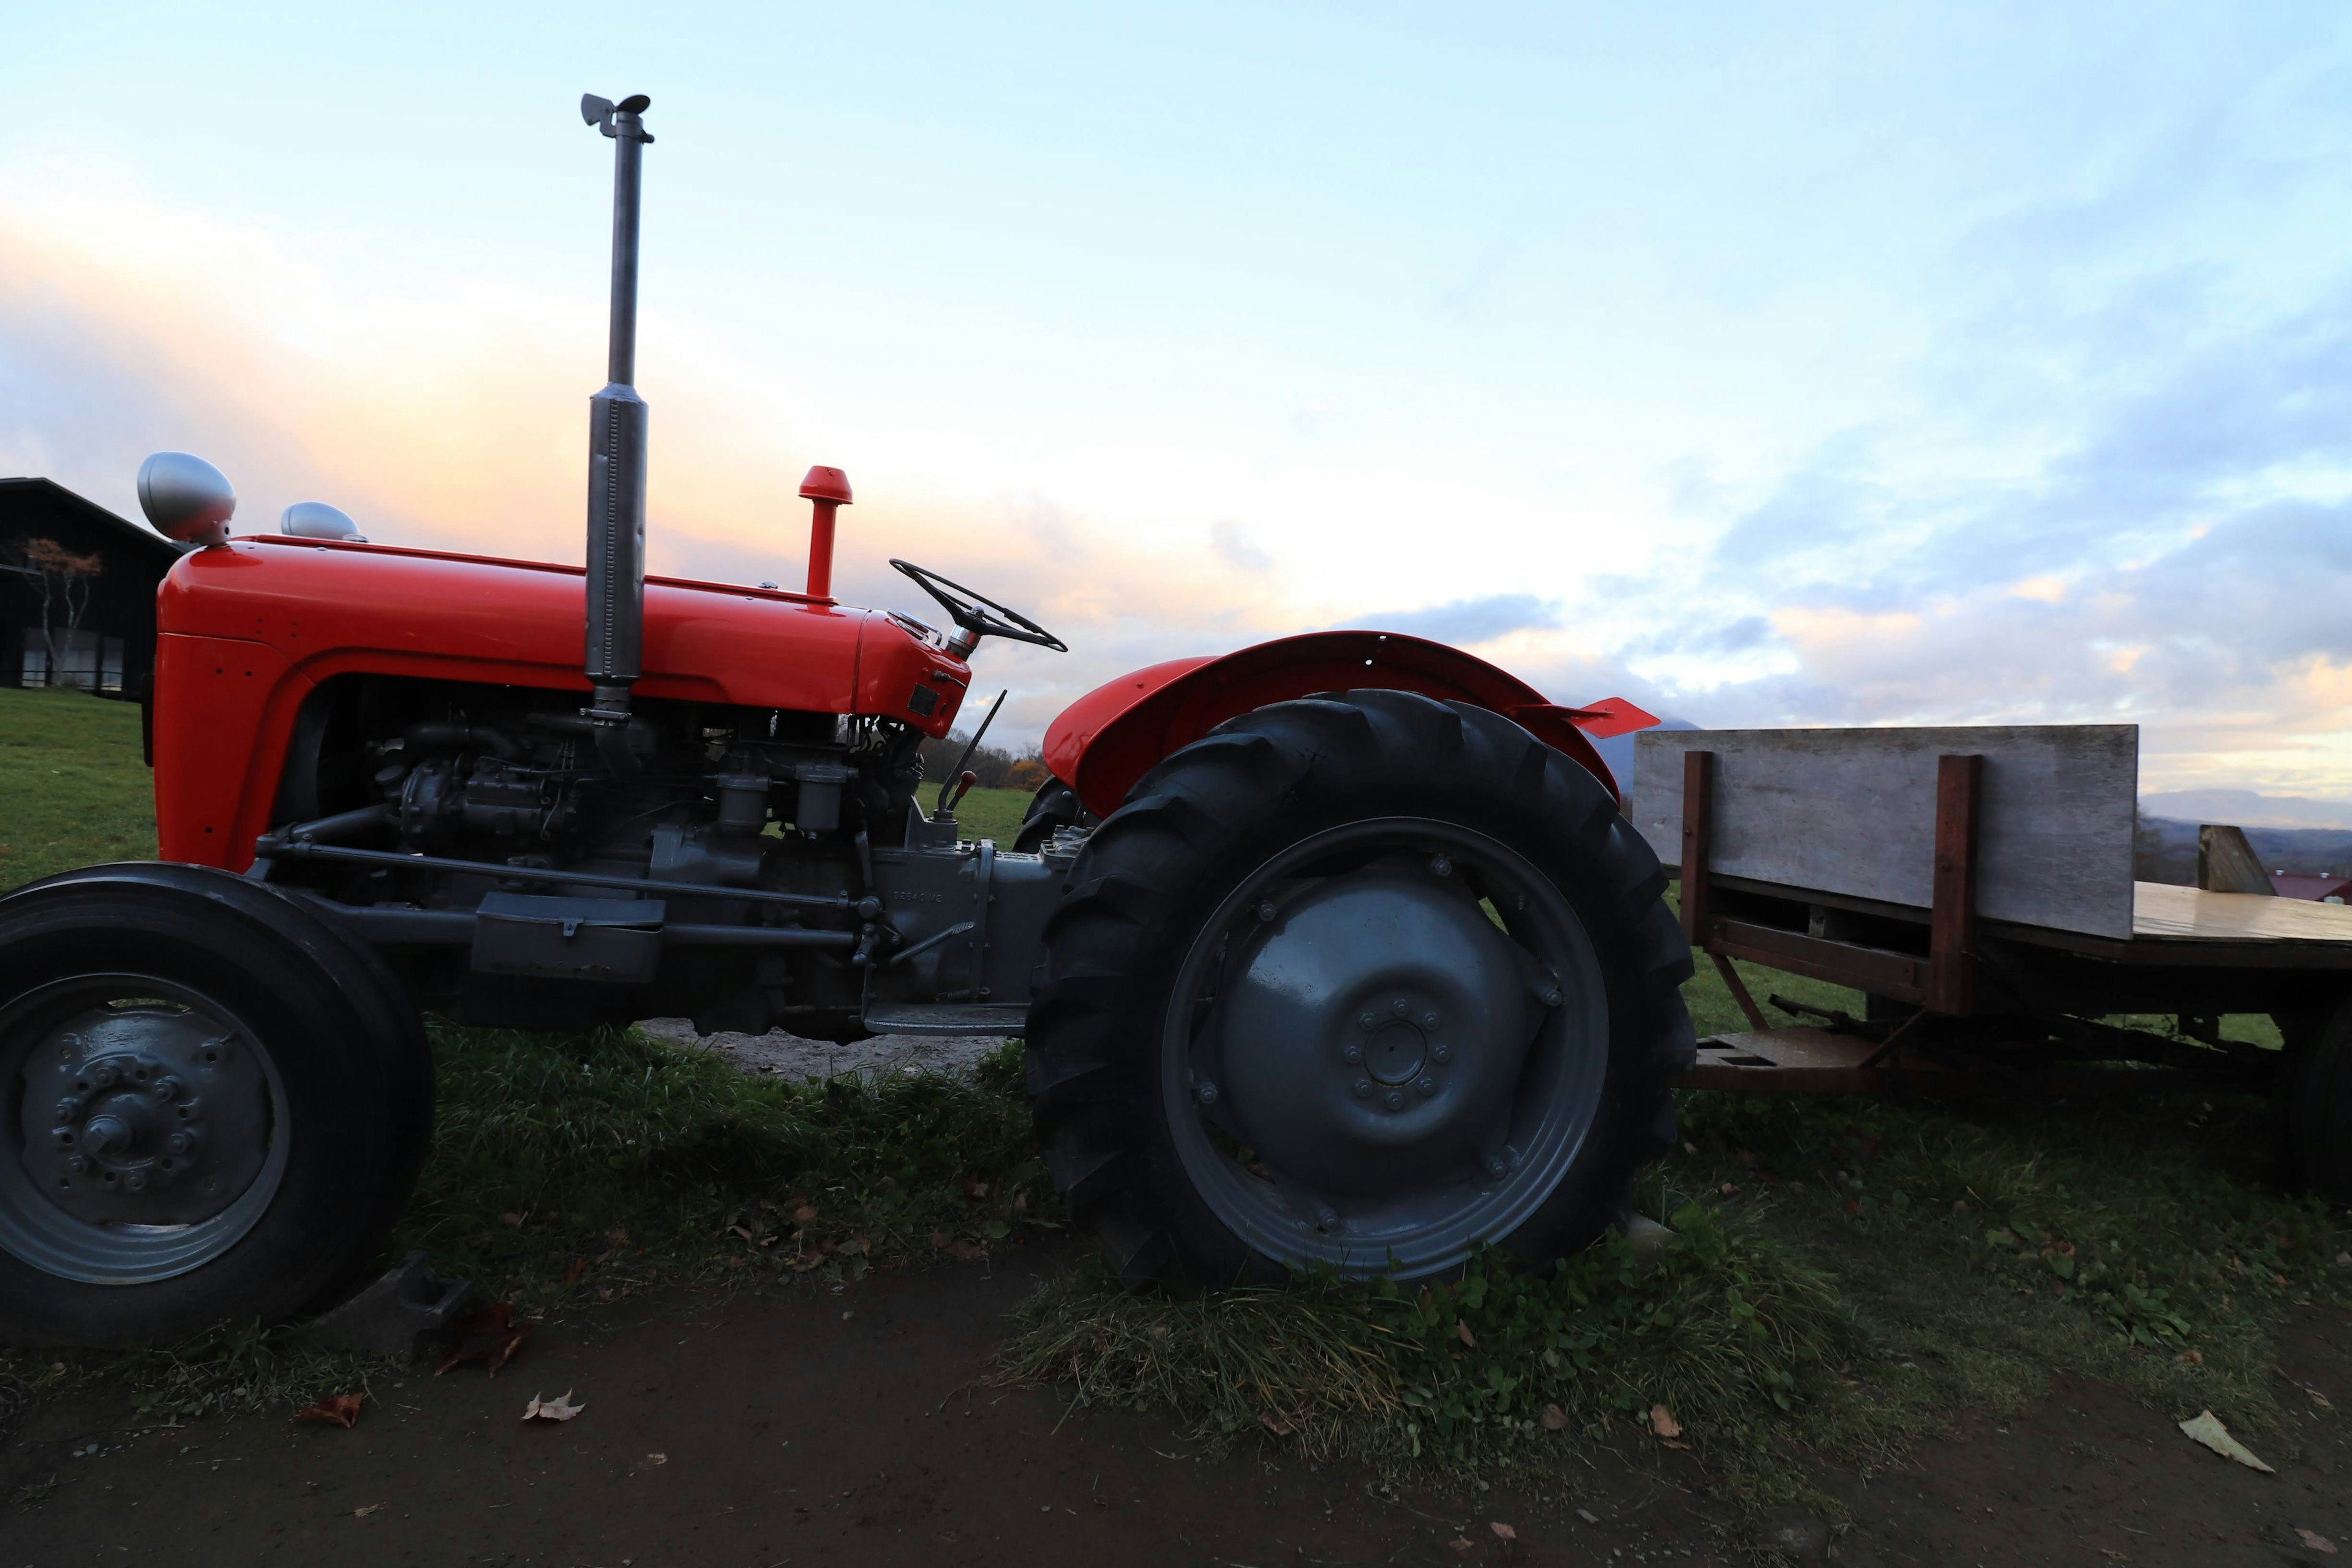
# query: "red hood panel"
x,y
330,608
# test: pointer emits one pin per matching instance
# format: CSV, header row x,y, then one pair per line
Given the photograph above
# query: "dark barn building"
x,y
76,592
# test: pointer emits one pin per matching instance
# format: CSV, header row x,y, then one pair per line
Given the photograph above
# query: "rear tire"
x,y
1477,929
216,1102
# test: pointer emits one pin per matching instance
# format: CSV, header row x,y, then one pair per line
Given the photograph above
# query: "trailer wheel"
x,y
213,1104
2314,1103
1358,982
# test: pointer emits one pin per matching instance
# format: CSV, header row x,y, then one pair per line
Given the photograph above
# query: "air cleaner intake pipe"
x,y
616,459
827,490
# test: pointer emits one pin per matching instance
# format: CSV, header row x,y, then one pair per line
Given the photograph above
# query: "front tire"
x,y
1361,982
216,1102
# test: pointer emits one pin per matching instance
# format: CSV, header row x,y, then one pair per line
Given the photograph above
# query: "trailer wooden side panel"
x,y
1853,812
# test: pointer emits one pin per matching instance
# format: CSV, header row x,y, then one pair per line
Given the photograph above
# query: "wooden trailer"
x,y
1976,885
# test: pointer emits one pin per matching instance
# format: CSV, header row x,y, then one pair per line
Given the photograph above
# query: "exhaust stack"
x,y
616,458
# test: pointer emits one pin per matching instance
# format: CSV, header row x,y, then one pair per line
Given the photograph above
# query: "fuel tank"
x,y
248,630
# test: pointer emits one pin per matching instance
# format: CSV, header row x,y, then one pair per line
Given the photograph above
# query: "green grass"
x,y
568,1167
988,813
72,788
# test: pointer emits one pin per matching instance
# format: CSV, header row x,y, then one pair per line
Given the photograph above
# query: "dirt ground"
x,y
858,1428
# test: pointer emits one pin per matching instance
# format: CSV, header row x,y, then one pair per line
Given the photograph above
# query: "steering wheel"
x,y
977,615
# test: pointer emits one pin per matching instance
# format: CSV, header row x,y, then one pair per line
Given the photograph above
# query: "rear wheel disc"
x,y
1387,1046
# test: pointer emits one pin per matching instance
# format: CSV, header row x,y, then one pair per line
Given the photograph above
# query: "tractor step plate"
x,y
949,1018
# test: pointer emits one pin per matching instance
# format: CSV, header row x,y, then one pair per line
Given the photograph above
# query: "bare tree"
x,y
63,581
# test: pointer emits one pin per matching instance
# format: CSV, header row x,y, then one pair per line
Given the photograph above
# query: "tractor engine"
x,y
745,867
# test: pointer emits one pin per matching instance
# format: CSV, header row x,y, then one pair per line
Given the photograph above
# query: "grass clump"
x,y
574,1167
1720,1327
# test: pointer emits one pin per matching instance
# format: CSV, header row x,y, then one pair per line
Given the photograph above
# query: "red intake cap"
x,y
826,484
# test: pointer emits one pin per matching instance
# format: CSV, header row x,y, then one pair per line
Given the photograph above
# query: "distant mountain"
x,y
2166,850
2245,808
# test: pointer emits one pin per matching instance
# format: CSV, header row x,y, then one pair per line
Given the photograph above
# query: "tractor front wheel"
x,y
213,1103
1361,981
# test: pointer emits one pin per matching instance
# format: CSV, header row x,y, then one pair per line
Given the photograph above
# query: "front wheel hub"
x,y
149,1116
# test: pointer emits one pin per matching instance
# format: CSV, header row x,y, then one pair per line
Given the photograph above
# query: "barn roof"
x,y
52,498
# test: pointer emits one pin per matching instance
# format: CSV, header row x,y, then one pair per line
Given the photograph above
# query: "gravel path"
x,y
789,1055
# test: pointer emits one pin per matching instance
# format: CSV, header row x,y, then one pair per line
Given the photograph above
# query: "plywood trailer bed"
x,y
1975,884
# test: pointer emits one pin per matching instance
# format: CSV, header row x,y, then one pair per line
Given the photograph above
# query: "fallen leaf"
x,y
572,1275
2318,1398
1503,1531
559,1408
1462,1330
974,1189
2194,1358
1587,1515
2316,1542
657,1458
514,1219
1662,1422
363,1513
970,1252
489,1335
2207,1430
341,1410
804,1214
1730,1190
1554,1419
1672,1444
1460,1543
1275,1425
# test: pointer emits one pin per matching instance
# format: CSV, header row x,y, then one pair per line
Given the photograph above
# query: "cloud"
x,y
1469,622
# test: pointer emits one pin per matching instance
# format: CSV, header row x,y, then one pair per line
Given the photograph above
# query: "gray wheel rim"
x,y
1404,1156
145,1130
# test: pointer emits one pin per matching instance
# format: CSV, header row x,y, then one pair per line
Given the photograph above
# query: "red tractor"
x,y
1335,950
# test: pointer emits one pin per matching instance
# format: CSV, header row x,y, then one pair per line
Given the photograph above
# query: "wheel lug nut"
x,y
77,1164
1265,909
1442,1051
1440,867
1352,1052
1395,1101
104,1075
1497,1166
180,1143
1399,1007
1429,1020
1208,1093
1364,1088
67,1110
1369,1021
135,1180
167,1089
1552,997
1428,1086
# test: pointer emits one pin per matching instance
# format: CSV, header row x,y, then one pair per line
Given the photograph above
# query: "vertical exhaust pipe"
x,y
616,459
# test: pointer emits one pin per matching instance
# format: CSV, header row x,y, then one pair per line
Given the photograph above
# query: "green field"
x,y
72,788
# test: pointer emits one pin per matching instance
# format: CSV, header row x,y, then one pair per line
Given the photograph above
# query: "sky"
x,y
1829,363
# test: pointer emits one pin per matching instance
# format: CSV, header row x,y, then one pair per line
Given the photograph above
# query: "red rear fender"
x,y
1111,737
